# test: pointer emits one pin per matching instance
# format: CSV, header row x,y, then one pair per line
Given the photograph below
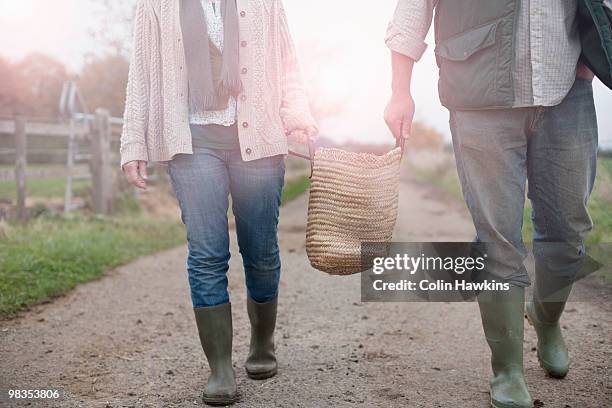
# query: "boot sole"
x,y
498,405
219,401
551,375
262,376
558,377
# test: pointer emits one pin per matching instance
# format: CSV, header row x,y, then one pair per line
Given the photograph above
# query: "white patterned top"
x,y
214,21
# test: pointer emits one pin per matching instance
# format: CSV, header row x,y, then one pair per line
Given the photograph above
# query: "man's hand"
x,y
303,136
400,109
399,114
136,173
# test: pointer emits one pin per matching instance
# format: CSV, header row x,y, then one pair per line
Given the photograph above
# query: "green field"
x,y
445,178
50,255
49,187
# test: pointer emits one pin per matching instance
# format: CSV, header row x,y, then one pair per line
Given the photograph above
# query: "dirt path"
x,y
129,340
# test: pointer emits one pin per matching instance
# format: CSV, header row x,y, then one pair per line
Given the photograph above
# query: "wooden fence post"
x,y
69,168
101,172
20,167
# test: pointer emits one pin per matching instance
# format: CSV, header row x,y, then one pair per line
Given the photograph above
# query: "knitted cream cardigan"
x,y
156,119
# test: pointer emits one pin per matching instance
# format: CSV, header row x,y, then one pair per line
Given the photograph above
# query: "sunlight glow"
x,y
12,10
335,83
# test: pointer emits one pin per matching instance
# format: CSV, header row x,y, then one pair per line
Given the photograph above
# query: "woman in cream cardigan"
x,y
214,90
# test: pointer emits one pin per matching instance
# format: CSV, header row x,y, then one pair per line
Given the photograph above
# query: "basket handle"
x,y
310,157
399,142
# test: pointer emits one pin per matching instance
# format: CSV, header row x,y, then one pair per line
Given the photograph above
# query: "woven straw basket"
x,y
353,199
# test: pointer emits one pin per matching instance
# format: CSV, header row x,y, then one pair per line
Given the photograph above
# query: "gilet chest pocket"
x,y
471,72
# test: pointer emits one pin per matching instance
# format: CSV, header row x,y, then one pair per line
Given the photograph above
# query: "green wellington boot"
x,y
215,330
503,323
261,363
544,317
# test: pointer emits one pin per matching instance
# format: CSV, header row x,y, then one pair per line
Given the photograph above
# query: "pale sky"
x,y
341,43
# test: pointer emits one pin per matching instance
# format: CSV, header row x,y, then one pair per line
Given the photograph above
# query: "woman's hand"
x,y
303,136
136,173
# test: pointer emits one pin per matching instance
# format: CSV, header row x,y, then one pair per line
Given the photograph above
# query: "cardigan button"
x,y
244,71
242,14
243,98
248,150
243,44
245,124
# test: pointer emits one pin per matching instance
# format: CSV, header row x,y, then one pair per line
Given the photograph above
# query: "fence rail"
x,y
98,132
37,128
44,129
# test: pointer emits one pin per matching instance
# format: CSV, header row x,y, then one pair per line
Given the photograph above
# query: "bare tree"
x,y
113,31
31,86
10,102
42,79
103,81
103,78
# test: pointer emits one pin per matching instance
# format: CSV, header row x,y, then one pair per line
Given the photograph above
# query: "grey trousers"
x,y
555,150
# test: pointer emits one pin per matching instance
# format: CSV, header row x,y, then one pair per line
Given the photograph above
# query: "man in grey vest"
x,y
521,108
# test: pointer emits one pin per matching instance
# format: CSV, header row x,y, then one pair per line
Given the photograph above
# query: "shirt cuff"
x,y
404,44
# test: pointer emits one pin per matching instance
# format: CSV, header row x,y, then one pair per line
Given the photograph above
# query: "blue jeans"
x,y
555,149
202,183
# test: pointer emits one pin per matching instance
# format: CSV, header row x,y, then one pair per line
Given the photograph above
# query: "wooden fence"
x,y
99,133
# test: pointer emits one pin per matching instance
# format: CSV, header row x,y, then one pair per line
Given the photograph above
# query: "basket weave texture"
x,y
353,199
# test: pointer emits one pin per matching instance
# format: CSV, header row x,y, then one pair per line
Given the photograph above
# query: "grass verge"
x,y
295,188
52,254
